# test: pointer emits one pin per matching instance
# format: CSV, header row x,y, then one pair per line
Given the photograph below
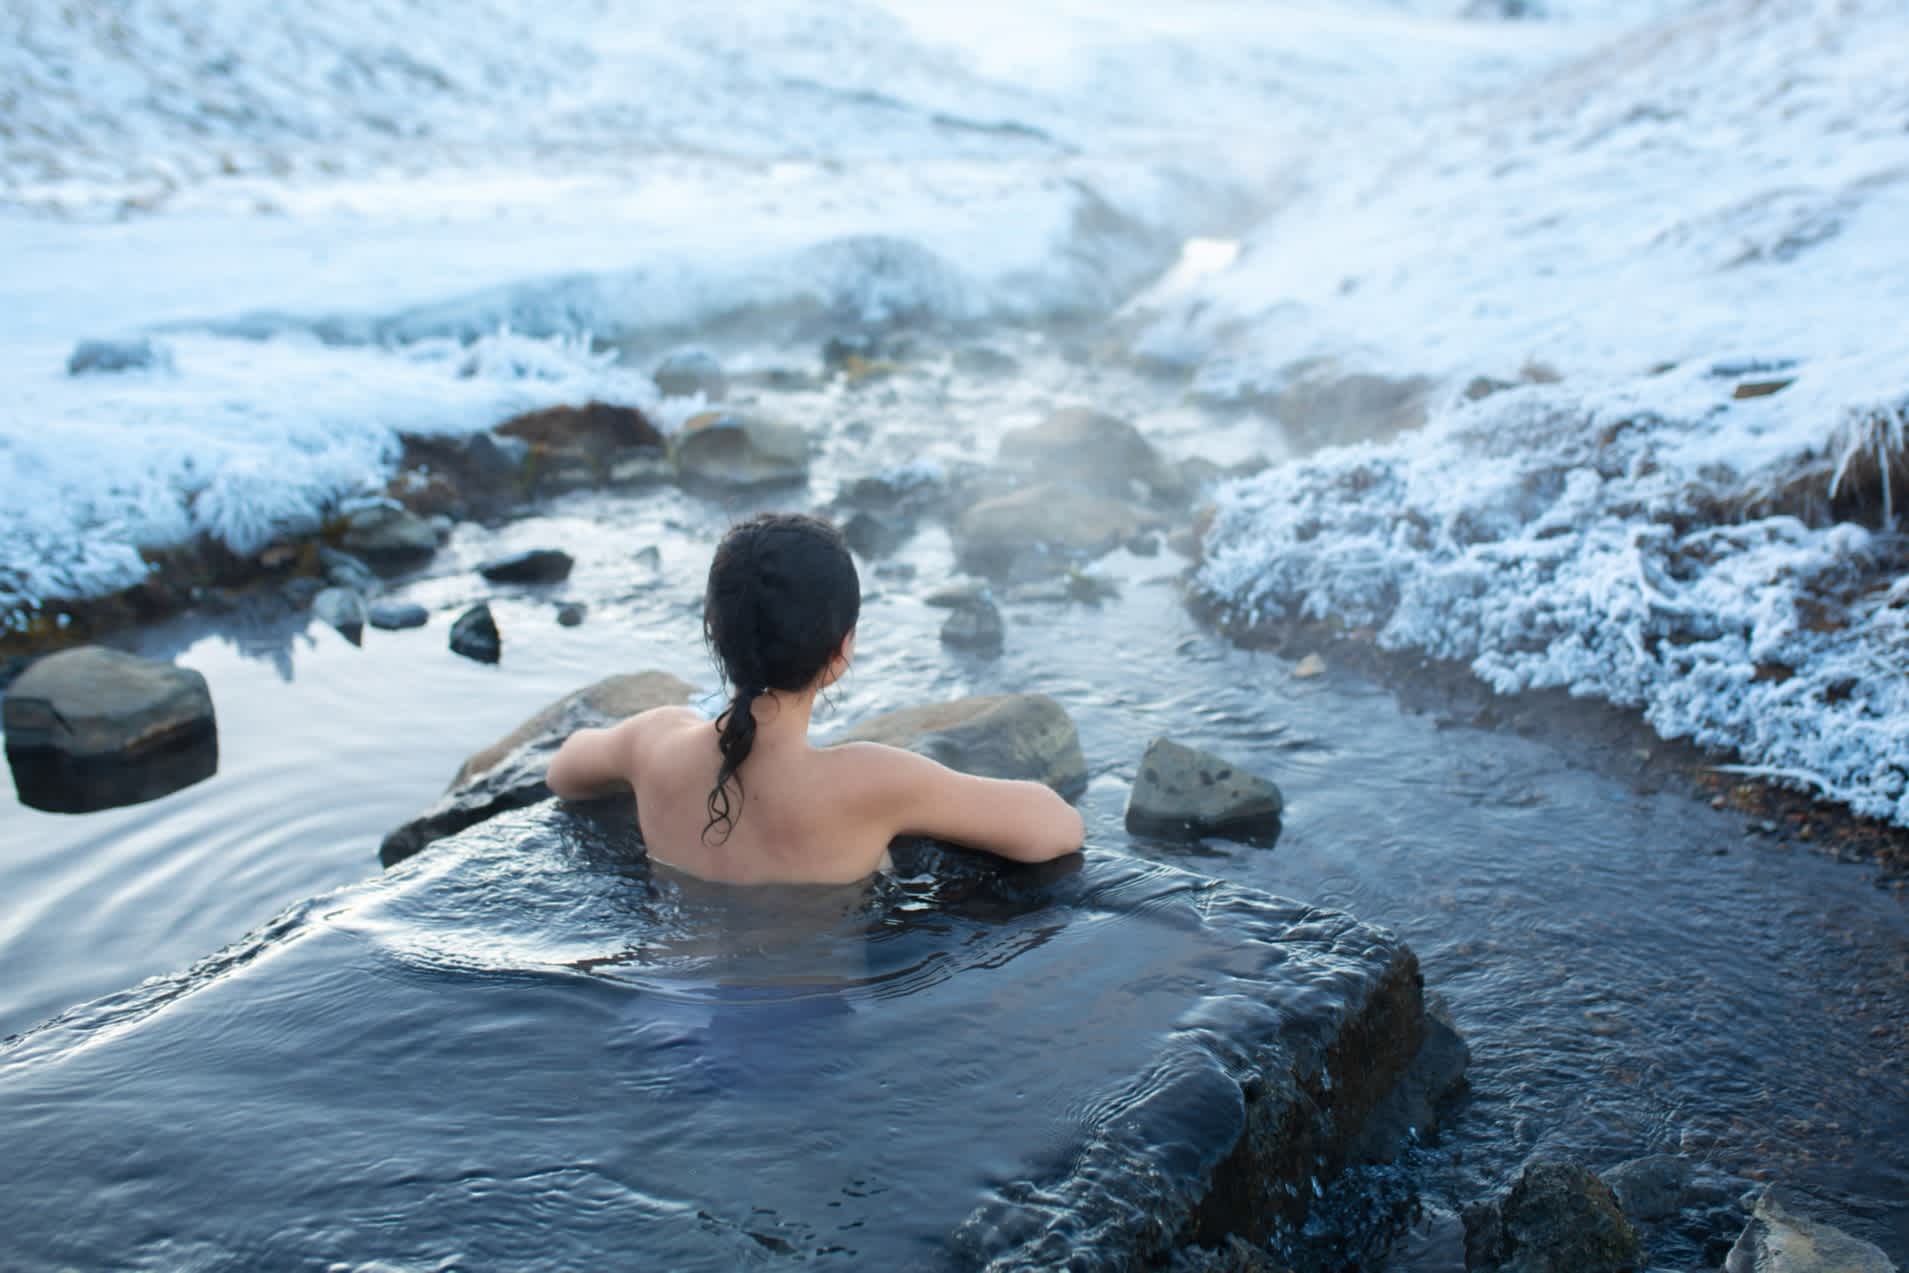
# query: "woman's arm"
x,y
1022,821
603,762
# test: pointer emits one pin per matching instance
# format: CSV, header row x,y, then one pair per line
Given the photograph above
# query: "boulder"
x,y
975,626
539,565
1557,1218
396,615
509,773
475,635
1185,794
1321,404
1651,1187
1778,1240
92,728
1042,529
690,370
474,474
595,429
344,609
528,1048
724,449
875,534
388,539
996,736
1410,1113
1077,444
109,357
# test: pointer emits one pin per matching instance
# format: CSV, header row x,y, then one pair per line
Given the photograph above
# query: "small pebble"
x,y
571,613
394,615
1307,668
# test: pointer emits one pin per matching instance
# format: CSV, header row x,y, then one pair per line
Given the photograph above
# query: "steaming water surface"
x,y
1635,971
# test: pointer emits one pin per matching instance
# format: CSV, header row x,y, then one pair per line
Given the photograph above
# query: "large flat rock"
x,y
509,773
528,1048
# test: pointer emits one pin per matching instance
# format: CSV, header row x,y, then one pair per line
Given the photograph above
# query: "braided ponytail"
x,y
735,738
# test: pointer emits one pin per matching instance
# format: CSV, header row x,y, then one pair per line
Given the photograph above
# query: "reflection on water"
x,y
53,781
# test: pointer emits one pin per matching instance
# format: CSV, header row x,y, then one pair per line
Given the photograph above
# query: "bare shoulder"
x,y
645,729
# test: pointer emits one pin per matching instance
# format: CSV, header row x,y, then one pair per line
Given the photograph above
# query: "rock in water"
x,y
389,539
690,370
106,357
92,728
475,635
1651,1187
344,609
509,773
1411,1111
1780,1241
1094,449
1043,529
996,736
539,565
396,615
571,613
724,449
975,626
1185,793
1557,1218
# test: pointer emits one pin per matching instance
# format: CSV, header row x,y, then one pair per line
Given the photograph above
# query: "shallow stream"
x,y
1634,970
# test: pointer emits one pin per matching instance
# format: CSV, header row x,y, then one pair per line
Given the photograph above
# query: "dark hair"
x,y
783,595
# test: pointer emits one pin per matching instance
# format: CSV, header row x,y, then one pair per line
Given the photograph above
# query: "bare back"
x,y
796,818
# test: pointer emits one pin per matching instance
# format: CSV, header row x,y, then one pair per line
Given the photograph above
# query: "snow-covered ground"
x,y
317,209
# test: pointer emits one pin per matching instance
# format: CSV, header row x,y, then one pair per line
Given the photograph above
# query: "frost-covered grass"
x,y
1655,543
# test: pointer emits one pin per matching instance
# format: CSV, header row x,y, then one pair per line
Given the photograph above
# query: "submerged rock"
x,y
509,773
690,370
996,736
396,615
92,728
539,565
529,1048
1777,1240
475,635
975,625
570,614
389,539
343,609
1043,529
1651,1187
722,448
1557,1218
107,357
1184,793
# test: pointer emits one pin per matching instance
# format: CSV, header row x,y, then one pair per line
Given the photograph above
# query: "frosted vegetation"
x,y
1621,214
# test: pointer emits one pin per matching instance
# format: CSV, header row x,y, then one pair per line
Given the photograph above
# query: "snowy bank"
x,y
1657,544
1701,231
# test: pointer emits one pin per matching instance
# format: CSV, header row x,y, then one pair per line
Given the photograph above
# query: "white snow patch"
x,y
244,442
